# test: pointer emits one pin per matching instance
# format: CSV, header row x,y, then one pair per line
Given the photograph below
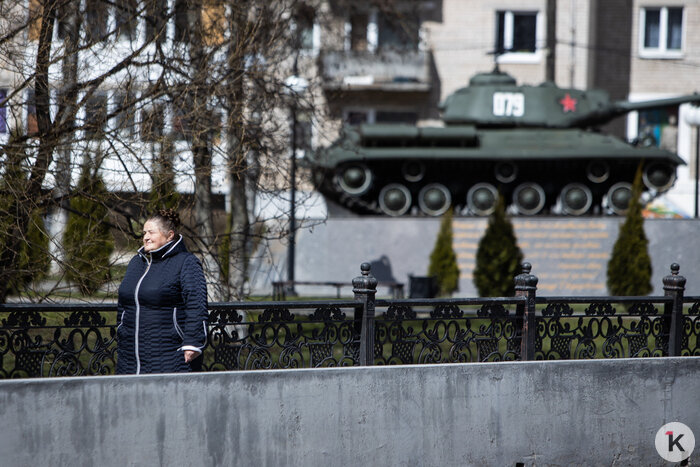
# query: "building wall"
x,y
532,413
671,75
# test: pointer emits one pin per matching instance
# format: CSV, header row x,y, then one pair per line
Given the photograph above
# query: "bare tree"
x,y
191,88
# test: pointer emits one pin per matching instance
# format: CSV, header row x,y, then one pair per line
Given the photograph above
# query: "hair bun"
x,y
171,215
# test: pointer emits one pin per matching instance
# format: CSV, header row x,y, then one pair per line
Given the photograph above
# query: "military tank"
x,y
537,145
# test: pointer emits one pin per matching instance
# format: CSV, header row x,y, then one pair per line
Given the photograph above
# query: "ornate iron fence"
x,y
39,340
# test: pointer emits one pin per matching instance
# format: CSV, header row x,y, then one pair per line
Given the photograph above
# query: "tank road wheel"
x,y
413,171
481,199
618,198
528,198
355,179
394,199
434,199
575,199
505,172
598,171
659,176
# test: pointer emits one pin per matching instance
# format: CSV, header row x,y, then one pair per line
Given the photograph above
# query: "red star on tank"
x,y
568,103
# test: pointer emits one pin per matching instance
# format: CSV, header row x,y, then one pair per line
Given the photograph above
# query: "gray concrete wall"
x,y
537,413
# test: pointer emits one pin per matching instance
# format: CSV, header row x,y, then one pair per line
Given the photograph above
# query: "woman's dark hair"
x,y
167,220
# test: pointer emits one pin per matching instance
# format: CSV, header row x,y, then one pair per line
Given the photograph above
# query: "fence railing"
x,y
38,340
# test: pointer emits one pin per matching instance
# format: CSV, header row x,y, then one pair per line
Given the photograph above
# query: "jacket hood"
x,y
171,248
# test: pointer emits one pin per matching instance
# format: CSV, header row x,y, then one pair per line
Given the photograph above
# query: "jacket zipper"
x,y
177,328
138,314
121,320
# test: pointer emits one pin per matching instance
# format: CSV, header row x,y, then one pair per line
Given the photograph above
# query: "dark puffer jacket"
x,y
162,311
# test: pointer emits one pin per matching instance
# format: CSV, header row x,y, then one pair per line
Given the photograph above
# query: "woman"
x,y
162,319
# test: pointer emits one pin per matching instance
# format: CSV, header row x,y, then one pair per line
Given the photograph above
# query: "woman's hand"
x,y
190,355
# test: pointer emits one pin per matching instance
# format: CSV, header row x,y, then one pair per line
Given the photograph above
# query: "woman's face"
x,y
153,237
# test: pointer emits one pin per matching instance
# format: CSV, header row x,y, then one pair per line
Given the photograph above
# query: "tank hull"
x,y
538,171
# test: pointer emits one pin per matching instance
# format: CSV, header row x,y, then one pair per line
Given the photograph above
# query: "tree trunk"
x,y
22,208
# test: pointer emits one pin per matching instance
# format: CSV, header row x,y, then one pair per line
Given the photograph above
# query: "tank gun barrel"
x,y
623,107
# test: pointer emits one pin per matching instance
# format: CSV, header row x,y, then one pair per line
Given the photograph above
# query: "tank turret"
x,y
534,144
494,100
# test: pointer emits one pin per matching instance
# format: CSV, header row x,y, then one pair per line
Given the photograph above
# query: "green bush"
x,y
629,267
498,256
87,240
443,260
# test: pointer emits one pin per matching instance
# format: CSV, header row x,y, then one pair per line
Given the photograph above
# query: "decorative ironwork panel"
x,y
37,343
274,337
690,339
601,331
446,333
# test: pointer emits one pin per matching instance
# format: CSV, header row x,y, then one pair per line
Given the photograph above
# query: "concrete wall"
x,y
569,255
551,413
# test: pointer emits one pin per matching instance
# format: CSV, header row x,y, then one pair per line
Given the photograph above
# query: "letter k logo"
x,y
674,442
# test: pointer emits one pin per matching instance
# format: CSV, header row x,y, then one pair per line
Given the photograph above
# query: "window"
x,y
62,24
95,116
156,15
152,120
358,31
661,31
369,31
659,127
398,32
305,28
3,111
182,118
125,115
396,117
125,18
32,124
516,32
96,14
359,116
185,20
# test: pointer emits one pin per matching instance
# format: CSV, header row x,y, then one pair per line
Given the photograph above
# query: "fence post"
x,y
674,286
526,286
365,288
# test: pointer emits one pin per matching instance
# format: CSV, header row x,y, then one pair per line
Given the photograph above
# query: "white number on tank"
x,y
508,104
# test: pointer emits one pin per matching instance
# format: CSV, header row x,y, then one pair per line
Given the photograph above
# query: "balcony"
x,y
384,70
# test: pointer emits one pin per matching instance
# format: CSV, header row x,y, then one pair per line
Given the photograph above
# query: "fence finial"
x,y
366,283
525,280
674,281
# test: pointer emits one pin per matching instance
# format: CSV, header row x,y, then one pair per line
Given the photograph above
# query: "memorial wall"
x,y
568,255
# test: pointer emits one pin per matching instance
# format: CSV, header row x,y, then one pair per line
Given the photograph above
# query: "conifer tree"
x,y
34,259
498,256
443,260
629,267
87,241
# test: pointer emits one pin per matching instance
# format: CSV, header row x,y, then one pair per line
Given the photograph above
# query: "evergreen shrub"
x,y
87,241
629,267
443,260
498,256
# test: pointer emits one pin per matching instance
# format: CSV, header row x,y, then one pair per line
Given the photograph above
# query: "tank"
x,y
537,145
